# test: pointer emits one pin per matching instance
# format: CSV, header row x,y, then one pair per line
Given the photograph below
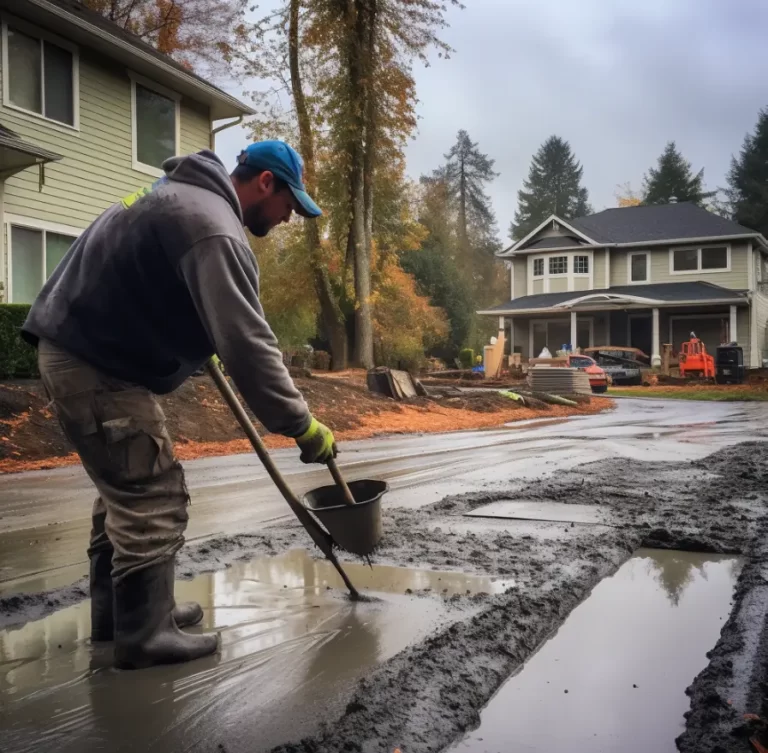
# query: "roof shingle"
x,y
655,223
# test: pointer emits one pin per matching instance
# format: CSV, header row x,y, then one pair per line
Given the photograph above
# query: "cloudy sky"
x,y
617,79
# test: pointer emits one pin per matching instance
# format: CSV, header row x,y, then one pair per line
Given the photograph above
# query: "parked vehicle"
x,y
622,364
598,379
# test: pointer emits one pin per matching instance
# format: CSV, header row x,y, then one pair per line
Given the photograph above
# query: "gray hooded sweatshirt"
x,y
161,281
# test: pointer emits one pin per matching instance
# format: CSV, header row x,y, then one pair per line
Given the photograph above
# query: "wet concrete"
x,y
45,516
431,692
292,651
537,510
613,676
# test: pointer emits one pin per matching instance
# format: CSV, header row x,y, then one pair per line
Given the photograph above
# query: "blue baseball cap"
x,y
285,163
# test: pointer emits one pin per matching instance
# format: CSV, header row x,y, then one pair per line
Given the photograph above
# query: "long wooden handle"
x,y
339,479
319,536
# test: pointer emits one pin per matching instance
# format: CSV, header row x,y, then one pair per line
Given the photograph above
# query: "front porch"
x,y
601,319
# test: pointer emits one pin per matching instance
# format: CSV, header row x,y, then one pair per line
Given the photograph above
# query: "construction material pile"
x,y
558,380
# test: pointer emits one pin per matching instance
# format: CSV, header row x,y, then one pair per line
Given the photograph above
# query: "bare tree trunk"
x,y
370,125
333,319
356,21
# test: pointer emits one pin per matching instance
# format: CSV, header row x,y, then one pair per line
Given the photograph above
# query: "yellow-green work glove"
x,y
317,444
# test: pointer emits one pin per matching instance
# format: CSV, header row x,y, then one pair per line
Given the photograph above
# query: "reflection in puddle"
x,y
613,676
292,651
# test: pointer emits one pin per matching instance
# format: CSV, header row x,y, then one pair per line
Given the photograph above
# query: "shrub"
x,y
467,358
17,358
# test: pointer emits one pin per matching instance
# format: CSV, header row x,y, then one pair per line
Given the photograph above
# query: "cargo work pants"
x,y
118,429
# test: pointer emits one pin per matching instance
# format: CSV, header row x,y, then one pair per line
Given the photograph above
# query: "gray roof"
x,y
556,241
669,292
11,140
655,223
17,154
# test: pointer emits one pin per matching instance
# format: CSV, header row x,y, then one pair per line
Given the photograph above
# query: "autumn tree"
x,y
369,47
748,179
204,35
284,268
434,267
553,186
673,180
626,196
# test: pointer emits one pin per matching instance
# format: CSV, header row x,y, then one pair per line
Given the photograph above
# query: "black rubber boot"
x,y
145,630
102,624
102,601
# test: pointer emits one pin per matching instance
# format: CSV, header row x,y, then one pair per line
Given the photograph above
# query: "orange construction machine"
x,y
694,359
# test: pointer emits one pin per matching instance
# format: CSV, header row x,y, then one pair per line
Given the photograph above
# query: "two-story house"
x,y
639,277
88,113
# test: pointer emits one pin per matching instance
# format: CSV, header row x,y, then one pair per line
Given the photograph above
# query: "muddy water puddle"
x,y
293,648
613,676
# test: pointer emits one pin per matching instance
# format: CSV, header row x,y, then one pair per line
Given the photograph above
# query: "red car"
x,y
598,379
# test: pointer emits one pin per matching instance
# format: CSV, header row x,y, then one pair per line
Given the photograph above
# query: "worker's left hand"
x,y
317,444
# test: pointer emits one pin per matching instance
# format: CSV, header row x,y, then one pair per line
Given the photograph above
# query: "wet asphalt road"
x,y
45,516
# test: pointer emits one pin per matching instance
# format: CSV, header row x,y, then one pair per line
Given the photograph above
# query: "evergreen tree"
x,y
748,179
674,179
553,186
466,174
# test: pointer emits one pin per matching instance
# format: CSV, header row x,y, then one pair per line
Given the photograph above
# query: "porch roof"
x,y
623,296
17,154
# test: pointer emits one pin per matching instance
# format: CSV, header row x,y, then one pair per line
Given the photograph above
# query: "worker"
x,y
144,297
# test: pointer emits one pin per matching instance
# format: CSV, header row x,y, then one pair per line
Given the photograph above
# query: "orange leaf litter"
x,y
409,419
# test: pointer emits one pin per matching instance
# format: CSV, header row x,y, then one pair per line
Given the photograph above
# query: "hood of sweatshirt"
x,y
206,170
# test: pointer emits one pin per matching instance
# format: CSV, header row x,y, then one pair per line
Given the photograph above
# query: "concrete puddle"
x,y
292,651
613,676
538,510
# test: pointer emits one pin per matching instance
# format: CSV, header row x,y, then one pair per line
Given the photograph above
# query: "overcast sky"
x,y
617,79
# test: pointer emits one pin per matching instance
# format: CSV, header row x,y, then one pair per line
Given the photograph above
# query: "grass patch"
x,y
725,394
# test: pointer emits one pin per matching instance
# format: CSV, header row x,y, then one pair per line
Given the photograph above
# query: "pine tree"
x,y
466,174
748,179
673,180
553,186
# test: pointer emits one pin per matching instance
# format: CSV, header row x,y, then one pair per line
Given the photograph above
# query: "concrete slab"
x,y
538,510
293,648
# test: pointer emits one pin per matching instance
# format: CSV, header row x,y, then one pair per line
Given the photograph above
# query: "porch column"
x,y
511,323
655,347
574,331
732,329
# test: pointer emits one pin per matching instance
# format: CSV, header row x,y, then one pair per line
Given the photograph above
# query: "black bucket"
x,y
356,528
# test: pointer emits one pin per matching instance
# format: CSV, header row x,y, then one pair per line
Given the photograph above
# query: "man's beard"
x,y
255,221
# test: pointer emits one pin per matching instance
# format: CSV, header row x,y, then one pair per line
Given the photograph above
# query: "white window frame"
x,y
45,36
699,270
543,268
547,322
647,255
12,220
589,265
569,275
568,265
155,172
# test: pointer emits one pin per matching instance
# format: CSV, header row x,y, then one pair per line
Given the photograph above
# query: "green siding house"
x,y
88,113
637,277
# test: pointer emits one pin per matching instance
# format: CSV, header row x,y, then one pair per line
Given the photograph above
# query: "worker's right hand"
x,y
317,444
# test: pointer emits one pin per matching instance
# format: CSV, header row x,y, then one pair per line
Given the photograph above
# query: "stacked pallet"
x,y
557,380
